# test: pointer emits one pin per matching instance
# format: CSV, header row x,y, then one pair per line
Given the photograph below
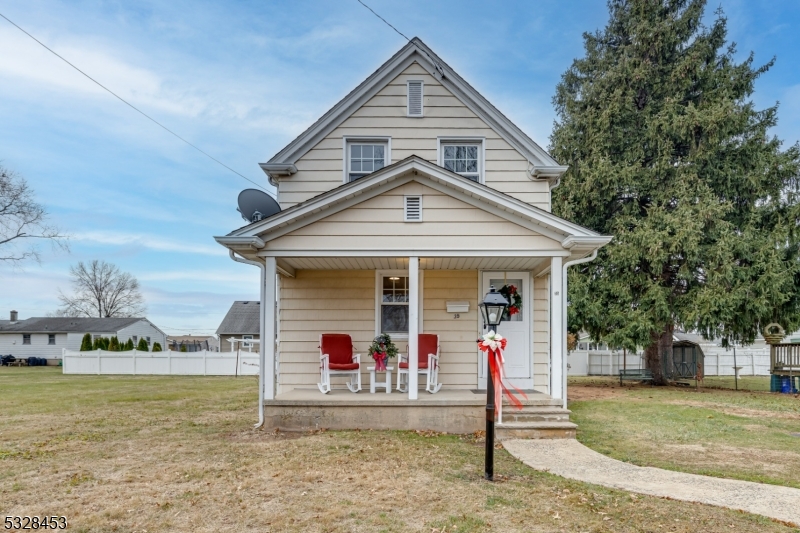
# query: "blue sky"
x,y
241,80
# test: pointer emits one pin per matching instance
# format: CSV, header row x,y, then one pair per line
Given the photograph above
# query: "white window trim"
x,y
481,141
54,339
422,99
247,345
348,139
379,274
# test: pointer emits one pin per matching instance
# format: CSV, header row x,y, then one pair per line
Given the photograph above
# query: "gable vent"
x,y
413,209
414,98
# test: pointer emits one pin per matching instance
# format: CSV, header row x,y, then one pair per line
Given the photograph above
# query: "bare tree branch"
x,y
102,290
23,221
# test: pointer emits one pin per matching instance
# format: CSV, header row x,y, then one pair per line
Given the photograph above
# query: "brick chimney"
x,y
13,316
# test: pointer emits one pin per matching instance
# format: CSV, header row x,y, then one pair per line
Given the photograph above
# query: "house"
x,y
193,343
48,336
403,203
240,325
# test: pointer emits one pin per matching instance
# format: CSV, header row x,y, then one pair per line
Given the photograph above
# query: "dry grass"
x,y
746,435
154,454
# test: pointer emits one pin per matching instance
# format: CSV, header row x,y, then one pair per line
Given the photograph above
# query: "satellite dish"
x,y
255,205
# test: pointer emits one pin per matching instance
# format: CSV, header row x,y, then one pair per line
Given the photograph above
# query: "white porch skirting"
x,y
168,363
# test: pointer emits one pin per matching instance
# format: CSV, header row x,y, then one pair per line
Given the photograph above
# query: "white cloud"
x,y
152,242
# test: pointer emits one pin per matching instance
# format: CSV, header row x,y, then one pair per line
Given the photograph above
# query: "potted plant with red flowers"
x,y
381,350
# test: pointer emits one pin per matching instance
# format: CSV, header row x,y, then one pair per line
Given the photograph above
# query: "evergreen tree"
x,y
86,343
113,344
183,348
128,345
156,347
142,346
668,154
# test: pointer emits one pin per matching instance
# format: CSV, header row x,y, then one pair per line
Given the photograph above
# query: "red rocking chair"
x,y
336,358
428,349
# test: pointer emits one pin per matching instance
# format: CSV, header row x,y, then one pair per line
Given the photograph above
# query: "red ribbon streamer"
x,y
498,375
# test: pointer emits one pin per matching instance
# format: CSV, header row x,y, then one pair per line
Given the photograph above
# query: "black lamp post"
x,y
493,307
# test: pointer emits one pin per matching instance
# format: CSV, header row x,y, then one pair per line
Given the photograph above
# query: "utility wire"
x,y
384,20
403,35
118,97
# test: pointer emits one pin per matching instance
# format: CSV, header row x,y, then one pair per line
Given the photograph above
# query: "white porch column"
x,y
413,327
556,329
267,344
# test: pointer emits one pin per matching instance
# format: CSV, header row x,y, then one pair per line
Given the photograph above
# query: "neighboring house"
x,y
48,336
411,193
193,343
240,324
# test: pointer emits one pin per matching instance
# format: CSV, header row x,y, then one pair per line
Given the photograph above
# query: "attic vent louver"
x,y
414,98
413,209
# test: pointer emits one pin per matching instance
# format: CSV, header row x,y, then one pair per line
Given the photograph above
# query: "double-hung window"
x,y
51,338
364,157
464,157
393,304
26,338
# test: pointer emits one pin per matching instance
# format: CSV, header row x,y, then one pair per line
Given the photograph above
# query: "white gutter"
x,y
564,317
261,356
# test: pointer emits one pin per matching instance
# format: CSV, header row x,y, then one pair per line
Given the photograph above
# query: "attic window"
x,y
365,156
415,98
412,209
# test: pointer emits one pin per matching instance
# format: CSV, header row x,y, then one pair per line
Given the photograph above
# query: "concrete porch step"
x,y
535,430
536,414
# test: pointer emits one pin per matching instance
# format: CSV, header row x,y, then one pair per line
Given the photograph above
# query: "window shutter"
x,y
413,209
414,98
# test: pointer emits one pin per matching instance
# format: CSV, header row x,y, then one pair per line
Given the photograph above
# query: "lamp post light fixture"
x,y
493,308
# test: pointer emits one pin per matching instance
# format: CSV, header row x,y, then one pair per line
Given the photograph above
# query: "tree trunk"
x,y
659,351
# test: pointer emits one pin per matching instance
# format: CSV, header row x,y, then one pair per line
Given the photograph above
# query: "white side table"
x,y
387,384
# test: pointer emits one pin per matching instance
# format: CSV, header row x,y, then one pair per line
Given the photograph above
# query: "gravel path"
x,y
571,459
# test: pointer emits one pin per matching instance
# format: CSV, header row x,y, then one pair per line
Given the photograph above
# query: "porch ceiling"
x,y
425,263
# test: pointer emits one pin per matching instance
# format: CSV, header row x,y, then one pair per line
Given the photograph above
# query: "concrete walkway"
x,y
571,459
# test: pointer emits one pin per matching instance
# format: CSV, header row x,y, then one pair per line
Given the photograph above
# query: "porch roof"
x,y
569,240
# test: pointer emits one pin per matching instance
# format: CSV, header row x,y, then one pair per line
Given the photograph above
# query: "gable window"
x,y
365,159
393,308
26,338
51,338
464,157
363,156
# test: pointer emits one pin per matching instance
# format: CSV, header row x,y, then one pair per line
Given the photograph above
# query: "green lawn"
x,y
746,435
159,453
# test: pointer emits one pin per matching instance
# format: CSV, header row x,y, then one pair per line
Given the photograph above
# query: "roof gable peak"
x,y
414,51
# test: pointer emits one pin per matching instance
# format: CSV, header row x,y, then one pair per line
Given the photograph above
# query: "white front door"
x,y
517,329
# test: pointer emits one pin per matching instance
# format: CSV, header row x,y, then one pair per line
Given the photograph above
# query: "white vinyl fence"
x,y
204,363
718,362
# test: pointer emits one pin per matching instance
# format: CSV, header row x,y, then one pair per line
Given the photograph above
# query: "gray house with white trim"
x,y
48,336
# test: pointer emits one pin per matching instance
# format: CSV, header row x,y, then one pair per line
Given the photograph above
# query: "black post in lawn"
x,y
493,307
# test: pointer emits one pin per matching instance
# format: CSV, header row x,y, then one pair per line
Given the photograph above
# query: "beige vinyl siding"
x,y
384,115
541,334
322,301
377,223
458,349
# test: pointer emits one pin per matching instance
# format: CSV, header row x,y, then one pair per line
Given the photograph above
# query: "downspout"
x,y
261,356
564,317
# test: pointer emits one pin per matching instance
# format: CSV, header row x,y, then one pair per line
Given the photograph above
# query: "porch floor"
x,y
341,397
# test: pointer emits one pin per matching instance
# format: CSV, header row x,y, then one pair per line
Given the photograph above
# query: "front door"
x,y
517,328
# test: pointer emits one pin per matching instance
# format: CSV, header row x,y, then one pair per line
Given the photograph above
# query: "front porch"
x,y
449,411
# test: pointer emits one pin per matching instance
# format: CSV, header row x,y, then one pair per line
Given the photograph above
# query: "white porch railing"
x,y
167,363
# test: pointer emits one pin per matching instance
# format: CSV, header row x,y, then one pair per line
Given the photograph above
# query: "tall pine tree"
x,y
668,154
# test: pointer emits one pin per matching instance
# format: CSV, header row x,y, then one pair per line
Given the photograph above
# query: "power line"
x,y
384,20
403,35
118,97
